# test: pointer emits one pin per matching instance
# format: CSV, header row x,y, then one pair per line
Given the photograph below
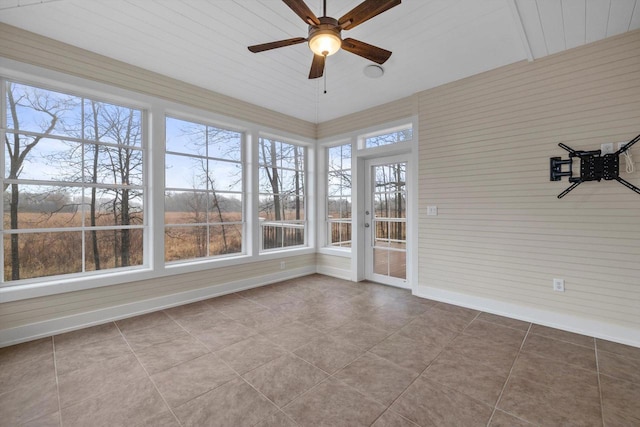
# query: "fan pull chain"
x,y
324,75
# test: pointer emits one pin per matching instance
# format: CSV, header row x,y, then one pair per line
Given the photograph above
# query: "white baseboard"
x,y
566,322
91,318
334,272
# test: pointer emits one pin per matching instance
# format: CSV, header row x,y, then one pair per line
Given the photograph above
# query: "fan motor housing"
x,y
327,25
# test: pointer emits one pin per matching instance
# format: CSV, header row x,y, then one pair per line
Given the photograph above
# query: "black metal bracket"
x,y
593,167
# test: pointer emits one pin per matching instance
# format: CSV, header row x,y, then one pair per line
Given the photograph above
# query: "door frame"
x,y
368,246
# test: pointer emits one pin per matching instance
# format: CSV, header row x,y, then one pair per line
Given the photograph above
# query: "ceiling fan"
x,y
325,33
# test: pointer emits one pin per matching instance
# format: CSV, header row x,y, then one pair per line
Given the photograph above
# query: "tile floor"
x,y
318,351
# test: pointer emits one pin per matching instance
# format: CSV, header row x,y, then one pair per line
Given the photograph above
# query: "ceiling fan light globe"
x,y
325,43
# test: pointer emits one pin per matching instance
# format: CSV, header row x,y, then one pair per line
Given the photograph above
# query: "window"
x,y
339,196
203,191
73,184
402,134
282,194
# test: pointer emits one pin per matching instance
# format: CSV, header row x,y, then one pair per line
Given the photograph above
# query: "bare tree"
x,y
18,146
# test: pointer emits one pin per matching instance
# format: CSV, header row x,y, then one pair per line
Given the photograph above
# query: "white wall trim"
x,y
334,272
563,321
47,328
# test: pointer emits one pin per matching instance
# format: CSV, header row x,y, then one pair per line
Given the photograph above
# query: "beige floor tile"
x,y
432,404
72,358
619,349
620,402
98,378
279,419
325,320
238,309
264,320
557,334
561,376
203,320
407,307
622,367
50,420
502,419
391,419
25,353
501,335
188,380
359,334
149,320
484,351
329,353
285,378
192,309
333,404
543,405
292,335
132,404
427,333
468,313
386,319
224,334
504,321
86,336
163,356
377,378
455,371
405,352
444,319
235,403
28,402
154,335
250,353
273,299
561,351
32,372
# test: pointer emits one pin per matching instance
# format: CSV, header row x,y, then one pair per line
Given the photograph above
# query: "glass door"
x,y
386,221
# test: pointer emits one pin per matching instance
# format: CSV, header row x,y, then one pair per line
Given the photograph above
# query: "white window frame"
x,y
156,110
323,195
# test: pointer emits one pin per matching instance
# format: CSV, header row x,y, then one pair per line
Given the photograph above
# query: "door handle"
x,y
366,225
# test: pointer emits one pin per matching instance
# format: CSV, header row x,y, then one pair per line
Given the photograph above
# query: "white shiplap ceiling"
x,y
204,42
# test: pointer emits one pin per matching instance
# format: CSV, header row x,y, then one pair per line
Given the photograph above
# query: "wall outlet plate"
x,y
432,210
558,285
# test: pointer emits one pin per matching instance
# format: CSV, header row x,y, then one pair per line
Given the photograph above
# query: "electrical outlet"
x,y
282,265
606,148
432,210
621,144
558,285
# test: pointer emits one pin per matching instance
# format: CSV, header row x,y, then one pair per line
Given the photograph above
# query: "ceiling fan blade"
x,y
274,45
303,11
317,67
371,52
365,11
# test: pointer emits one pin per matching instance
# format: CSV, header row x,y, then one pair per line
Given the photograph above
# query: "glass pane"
x,y
42,206
292,208
291,182
339,157
225,176
279,235
397,205
382,233
291,157
225,144
112,123
381,261
225,207
265,176
185,172
185,207
398,264
381,206
44,159
225,239
182,243
339,208
389,138
42,254
398,232
115,206
113,248
43,111
185,137
115,165
268,152
340,234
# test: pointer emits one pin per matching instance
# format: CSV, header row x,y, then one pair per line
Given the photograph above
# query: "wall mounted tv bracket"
x,y
593,167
